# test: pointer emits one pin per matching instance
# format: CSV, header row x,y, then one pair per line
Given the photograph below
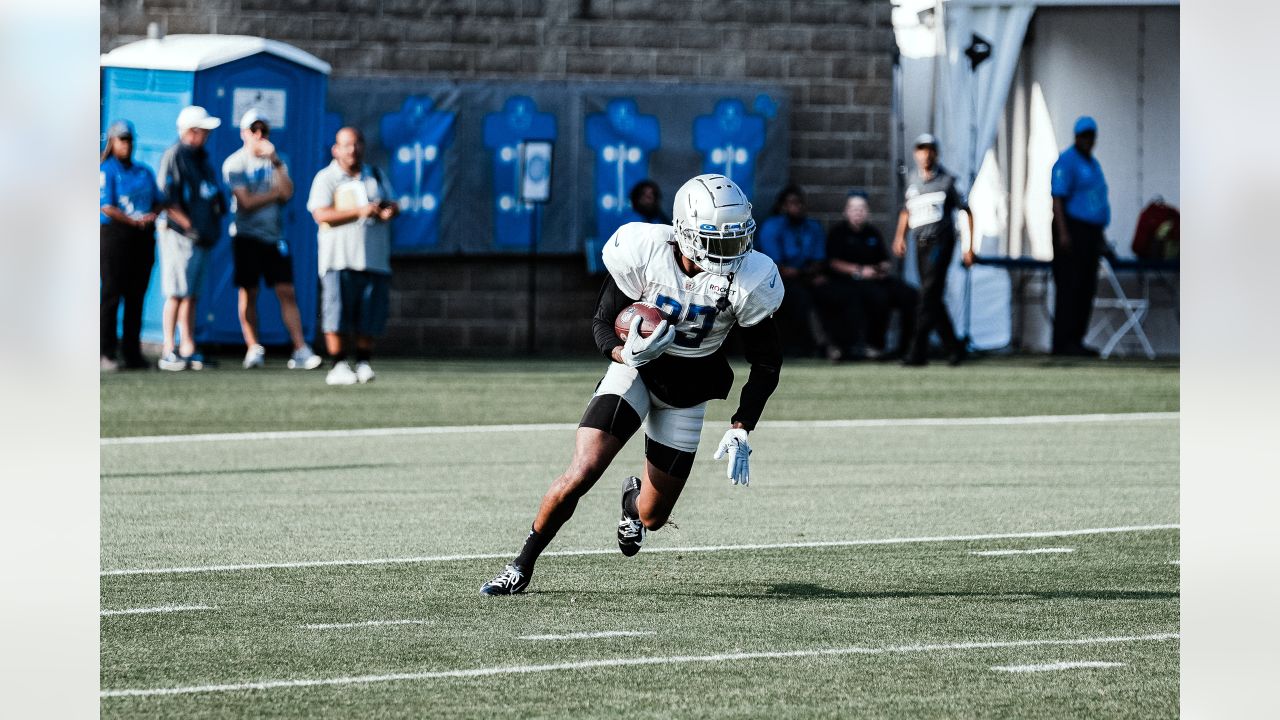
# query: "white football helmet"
x,y
713,223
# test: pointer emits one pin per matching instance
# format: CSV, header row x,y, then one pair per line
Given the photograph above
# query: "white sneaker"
x,y
341,374
255,357
304,359
364,373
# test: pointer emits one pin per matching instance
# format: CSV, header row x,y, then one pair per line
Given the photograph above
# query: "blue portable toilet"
x,y
150,81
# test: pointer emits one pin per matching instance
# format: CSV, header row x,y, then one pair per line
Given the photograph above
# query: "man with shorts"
x,y
260,186
351,202
190,227
705,278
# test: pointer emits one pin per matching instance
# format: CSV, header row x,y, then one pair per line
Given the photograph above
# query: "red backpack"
x,y
1156,237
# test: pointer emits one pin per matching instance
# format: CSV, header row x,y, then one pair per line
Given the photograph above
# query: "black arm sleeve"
x,y
611,302
763,347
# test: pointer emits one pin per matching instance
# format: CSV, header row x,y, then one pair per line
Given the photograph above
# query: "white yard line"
x,y
591,635
1050,667
161,609
546,427
693,549
624,662
1037,551
365,623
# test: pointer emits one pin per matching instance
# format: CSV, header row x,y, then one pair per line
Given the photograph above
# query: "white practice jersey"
x,y
641,257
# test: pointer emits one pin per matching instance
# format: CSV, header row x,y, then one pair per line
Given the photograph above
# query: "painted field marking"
x,y
557,427
624,662
591,635
611,551
161,609
1050,667
365,623
1037,551
1175,562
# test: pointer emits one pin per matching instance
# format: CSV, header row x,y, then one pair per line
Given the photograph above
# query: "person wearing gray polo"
x,y
351,202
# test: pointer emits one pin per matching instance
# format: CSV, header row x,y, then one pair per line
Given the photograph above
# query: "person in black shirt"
x,y
858,261
931,202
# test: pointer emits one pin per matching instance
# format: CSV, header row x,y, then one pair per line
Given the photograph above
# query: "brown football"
x,y
648,311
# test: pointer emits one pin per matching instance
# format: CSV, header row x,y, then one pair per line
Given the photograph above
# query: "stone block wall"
x,y
835,58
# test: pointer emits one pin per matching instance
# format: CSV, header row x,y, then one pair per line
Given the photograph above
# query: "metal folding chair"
x,y
1134,310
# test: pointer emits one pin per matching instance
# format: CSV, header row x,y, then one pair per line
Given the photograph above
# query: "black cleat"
x,y
513,579
631,531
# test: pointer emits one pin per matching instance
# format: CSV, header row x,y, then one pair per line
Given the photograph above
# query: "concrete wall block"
x,y
809,67
586,62
245,24
676,64
785,38
847,174
722,65
825,93
819,146
496,337
851,121
568,35
533,8
500,61
873,93
766,66
441,338
830,13
504,9
629,36
545,62
506,274
810,120
697,37
636,63
379,30
653,10
842,40
490,32
420,9
187,22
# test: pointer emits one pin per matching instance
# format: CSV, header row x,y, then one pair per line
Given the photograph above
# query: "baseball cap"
x,y
1085,124
120,128
251,116
927,139
194,116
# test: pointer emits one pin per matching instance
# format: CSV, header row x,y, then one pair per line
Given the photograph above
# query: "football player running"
x,y
705,277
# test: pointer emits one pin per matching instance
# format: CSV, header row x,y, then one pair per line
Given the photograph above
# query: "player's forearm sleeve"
x,y
763,348
611,302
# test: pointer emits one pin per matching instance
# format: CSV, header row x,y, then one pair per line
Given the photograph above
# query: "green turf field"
x,y
809,621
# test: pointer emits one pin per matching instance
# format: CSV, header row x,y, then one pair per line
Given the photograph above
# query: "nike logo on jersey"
x,y
774,281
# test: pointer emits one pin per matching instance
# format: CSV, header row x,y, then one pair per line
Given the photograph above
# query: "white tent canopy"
x,y
968,110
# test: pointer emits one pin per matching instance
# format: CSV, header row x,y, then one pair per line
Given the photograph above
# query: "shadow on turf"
x,y
817,592
247,471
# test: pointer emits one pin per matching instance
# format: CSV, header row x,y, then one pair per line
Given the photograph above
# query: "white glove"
x,y
735,444
637,350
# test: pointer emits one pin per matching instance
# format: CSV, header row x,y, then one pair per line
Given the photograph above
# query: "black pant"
x,y
933,260
841,309
126,255
1075,278
879,299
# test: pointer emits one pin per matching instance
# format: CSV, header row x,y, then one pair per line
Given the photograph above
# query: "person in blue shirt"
x,y
129,201
1081,213
810,310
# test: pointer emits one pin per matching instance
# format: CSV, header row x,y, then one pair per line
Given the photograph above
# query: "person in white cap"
x,y
260,186
190,227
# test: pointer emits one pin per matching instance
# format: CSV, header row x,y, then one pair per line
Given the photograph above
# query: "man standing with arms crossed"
x,y
260,183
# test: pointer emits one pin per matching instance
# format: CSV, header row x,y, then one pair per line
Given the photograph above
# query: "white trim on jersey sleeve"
x,y
629,251
760,290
